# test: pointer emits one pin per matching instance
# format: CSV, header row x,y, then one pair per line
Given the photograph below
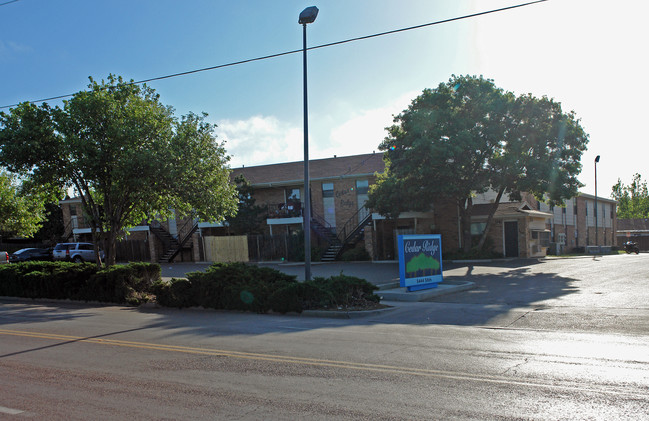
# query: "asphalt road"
x,y
556,339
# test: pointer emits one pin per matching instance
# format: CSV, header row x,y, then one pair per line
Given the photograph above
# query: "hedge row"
x,y
233,286
237,286
119,284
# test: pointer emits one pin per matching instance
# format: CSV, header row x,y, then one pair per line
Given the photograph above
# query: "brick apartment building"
x,y
340,221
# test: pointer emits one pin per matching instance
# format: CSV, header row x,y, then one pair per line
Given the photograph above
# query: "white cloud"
x,y
8,48
365,130
263,140
260,140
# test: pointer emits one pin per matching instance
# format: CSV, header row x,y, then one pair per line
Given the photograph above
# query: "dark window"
x,y
362,186
327,189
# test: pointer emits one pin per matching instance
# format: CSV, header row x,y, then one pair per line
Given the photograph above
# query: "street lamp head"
x,y
308,15
597,158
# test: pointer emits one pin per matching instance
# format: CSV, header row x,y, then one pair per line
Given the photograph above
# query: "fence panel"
x,y
132,251
283,247
226,249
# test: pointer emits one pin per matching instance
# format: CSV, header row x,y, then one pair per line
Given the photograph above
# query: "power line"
x,y
236,63
8,2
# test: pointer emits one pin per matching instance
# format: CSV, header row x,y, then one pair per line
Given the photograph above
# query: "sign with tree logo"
x,y
420,261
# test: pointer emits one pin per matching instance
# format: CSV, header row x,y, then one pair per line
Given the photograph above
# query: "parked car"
x,y
24,255
4,257
76,252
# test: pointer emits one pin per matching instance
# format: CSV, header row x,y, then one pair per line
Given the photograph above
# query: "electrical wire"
x,y
9,2
236,63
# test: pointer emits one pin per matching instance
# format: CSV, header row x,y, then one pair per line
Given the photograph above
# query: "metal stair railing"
x,y
329,233
354,224
181,243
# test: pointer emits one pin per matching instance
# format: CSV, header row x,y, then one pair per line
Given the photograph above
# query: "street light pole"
x,y
308,15
596,161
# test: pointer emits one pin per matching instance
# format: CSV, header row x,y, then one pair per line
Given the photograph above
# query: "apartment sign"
x,y
420,261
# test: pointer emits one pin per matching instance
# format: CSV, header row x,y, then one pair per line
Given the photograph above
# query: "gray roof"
x,y
291,172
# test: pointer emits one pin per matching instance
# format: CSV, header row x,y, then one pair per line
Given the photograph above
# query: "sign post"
x,y
420,261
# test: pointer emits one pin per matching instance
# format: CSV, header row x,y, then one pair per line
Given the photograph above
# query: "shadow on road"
x,y
500,288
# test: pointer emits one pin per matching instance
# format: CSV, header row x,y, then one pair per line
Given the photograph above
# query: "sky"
x,y
590,55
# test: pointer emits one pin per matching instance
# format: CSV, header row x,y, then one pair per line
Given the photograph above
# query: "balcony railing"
x,y
285,210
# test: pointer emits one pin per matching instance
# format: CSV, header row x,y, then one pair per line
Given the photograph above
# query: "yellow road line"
x,y
314,362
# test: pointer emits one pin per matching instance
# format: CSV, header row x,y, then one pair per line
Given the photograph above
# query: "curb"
x,y
401,294
335,314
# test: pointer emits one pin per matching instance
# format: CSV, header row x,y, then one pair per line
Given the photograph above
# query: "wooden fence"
x,y
226,249
132,251
283,247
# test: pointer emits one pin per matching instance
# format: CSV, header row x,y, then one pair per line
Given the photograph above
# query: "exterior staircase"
x,y
354,230
347,237
172,246
323,230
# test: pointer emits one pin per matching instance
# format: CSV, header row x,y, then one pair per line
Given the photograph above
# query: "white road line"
x,y
10,411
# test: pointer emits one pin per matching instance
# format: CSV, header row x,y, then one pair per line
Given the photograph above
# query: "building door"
x,y
173,226
362,189
511,239
328,202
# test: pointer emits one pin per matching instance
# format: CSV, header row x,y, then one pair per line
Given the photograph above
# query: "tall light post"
x,y
307,16
596,161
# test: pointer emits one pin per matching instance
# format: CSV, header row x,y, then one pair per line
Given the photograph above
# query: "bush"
x,y
355,255
78,281
348,290
233,286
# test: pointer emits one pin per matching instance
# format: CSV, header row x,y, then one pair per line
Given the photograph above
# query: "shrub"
x,y
78,281
176,293
356,254
348,290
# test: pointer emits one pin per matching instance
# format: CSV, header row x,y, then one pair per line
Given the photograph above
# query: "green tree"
x,y
249,215
125,155
467,136
22,204
632,200
52,229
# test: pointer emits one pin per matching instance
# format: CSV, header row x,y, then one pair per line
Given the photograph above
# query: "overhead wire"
x,y
236,63
9,2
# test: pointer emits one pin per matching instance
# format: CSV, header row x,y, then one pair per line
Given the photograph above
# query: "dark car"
x,y
24,255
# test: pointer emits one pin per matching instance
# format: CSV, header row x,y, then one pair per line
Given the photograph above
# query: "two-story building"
x,y
339,190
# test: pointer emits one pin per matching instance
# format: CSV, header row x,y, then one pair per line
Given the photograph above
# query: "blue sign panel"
x,y
420,261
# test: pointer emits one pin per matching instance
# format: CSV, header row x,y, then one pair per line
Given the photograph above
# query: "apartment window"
x,y
362,186
327,189
293,195
477,228
329,204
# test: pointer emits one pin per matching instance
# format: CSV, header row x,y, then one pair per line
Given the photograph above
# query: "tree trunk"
x,y
466,209
110,247
490,218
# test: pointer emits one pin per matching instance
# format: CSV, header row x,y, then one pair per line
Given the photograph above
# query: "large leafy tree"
x,y
632,199
124,154
249,215
467,136
22,205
